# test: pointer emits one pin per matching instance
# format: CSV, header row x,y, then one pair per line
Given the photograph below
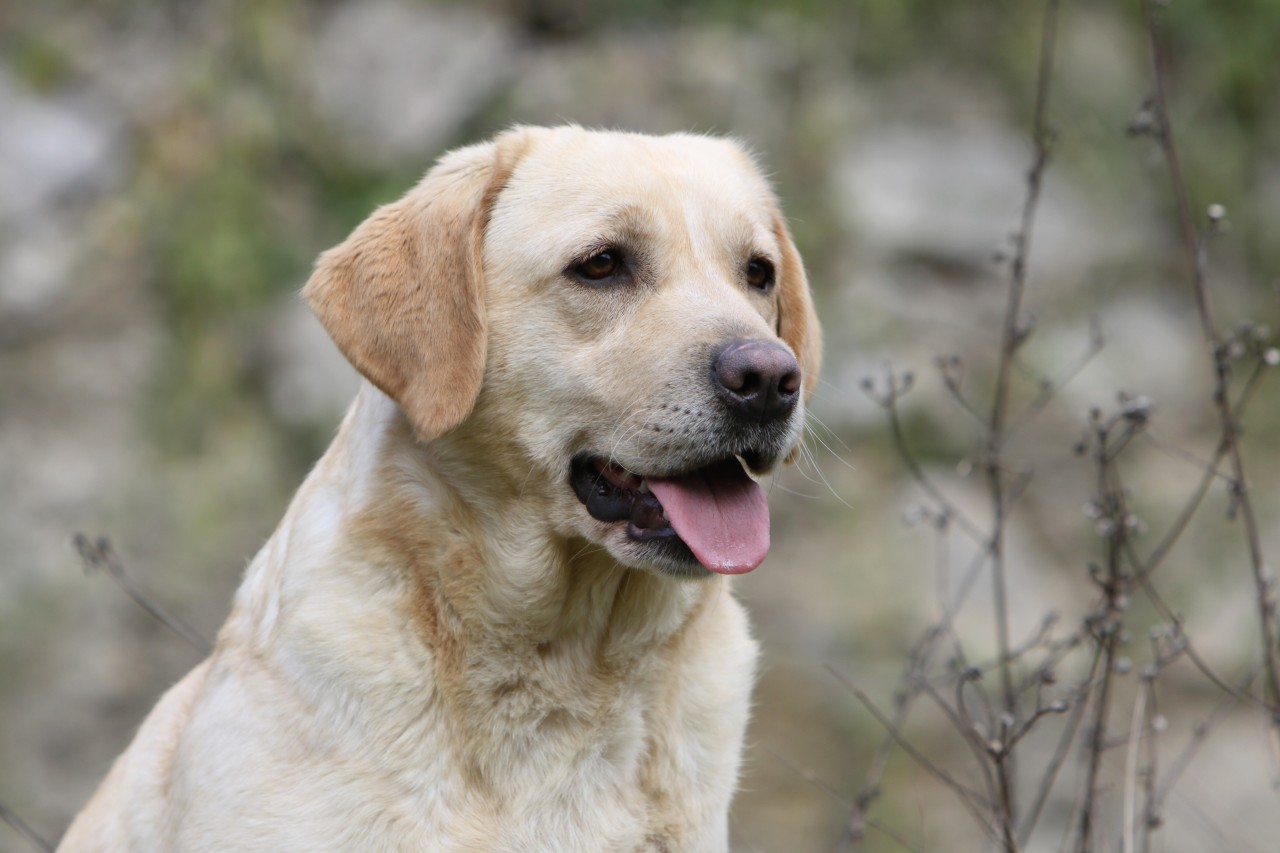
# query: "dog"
x,y
496,616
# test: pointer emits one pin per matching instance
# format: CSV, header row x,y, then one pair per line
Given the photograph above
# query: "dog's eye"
x,y
600,266
759,273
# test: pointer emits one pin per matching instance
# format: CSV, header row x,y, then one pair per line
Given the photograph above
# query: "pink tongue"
x,y
721,514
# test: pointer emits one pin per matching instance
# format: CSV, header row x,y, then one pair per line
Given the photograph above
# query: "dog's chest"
x,y
636,769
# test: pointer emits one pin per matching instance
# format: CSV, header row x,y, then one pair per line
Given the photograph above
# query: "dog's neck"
x,y
381,521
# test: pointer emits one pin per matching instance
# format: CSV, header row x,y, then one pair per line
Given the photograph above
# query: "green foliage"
x,y
1226,52
243,186
38,63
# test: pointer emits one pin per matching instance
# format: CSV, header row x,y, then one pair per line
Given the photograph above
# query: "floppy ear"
x,y
403,296
797,322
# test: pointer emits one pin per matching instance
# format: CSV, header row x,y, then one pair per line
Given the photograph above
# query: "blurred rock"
x,y
34,268
140,69
308,380
952,197
55,153
51,148
703,79
903,178
395,80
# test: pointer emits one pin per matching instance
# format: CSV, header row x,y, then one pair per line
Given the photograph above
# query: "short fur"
x,y
439,649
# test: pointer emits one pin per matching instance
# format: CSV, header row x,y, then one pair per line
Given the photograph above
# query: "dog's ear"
x,y
797,321
403,296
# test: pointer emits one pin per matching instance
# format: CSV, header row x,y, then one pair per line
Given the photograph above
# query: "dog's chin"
x,y
666,555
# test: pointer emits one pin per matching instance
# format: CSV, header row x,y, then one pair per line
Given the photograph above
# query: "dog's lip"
x,y
611,492
722,520
756,464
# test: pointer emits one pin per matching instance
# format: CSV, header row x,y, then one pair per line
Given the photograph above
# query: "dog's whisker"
x,y
806,455
524,483
789,491
614,441
589,548
812,421
817,436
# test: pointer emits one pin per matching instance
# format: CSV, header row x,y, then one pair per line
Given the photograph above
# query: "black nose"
x,y
759,380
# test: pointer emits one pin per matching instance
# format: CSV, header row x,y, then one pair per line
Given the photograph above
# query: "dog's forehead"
x,y
573,182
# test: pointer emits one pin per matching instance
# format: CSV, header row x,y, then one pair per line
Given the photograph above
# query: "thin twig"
x,y
1106,623
1197,267
1050,388
974,802
812,778
1199,735
1150,819
1013,334
964,724
1068,736
98,554
951,370
889,401
1185,645
1136,721
24,829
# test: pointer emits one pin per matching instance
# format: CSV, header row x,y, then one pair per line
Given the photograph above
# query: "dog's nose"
x,y
759,380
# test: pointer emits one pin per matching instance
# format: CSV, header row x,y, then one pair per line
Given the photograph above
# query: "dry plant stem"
x,y
1144,567
1106,622
1097,744
1136,720
924,649
1166,613
922,479
974,802
1012,336
1199,735
1194,248
1065,741
20,826
893,836
1150,817
859,831
964,724
922,653
100,555
1050,388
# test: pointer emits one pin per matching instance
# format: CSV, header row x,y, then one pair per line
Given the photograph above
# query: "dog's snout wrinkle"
x,y
758,380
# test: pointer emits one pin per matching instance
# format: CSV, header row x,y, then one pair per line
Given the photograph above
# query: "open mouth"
x,y
718,511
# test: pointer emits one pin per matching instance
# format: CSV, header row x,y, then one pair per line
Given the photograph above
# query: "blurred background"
x,y
169,171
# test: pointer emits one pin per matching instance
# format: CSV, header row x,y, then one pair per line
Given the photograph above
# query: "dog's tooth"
x,y
665,517
745,467
643,488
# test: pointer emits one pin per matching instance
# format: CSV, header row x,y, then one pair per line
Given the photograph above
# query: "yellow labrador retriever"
x,y
495,616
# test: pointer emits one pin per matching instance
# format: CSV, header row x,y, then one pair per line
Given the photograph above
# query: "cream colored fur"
x,y
438,649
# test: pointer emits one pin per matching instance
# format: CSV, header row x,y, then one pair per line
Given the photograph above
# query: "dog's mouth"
x,y
718,511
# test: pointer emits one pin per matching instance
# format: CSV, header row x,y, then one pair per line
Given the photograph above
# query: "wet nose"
x,y
758,380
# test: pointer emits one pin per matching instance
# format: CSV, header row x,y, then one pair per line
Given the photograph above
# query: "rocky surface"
x,y
903,189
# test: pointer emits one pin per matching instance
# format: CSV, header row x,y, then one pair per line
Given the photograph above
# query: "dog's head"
x,y
624,316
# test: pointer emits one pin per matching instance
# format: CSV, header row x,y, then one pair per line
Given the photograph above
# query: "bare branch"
x,y
1136,721
1197,264
21,827
1068,736
1013,334
974,802
99,555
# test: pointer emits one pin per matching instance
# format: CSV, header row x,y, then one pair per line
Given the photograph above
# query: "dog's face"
x,y
644,329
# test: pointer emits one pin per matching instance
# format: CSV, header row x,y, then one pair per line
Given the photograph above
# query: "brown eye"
x,y
759,273
600,266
